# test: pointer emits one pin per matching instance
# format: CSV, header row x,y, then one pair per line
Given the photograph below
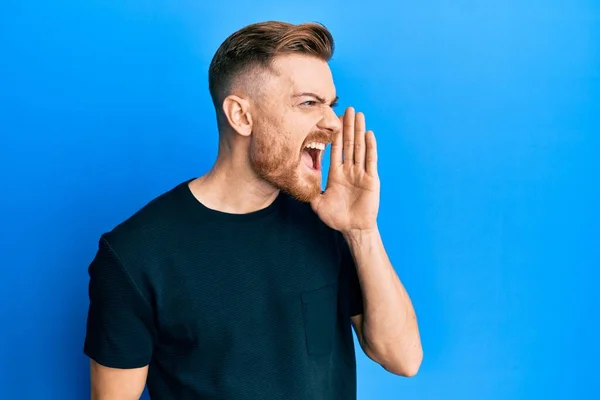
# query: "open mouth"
x,y
312,155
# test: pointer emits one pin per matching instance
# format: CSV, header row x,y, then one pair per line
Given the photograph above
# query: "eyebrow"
x,y
316,96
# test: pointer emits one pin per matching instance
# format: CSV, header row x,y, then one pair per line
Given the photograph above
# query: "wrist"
x,y
361,235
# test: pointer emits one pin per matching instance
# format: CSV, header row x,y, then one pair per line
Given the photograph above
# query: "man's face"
x,y
293,121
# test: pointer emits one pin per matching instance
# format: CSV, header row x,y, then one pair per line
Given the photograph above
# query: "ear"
x,y
237,112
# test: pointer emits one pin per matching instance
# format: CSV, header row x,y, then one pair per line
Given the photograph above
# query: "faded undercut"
x,y
250,51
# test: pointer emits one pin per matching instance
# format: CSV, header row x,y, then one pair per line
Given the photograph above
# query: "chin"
x,y
300,181
304,196
307,196
305,188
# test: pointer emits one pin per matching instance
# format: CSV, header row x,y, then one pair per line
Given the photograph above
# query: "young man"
x,y
244,283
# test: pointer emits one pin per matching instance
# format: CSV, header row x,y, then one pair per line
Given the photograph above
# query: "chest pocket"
x,y
319,308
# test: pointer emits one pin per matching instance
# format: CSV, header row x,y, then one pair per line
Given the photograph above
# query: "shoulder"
x,y
141,234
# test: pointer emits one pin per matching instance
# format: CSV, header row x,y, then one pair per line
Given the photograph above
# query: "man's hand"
x,y
350,202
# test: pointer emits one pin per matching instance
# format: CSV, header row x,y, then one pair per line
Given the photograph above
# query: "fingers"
x,y
359,140
352,145
337,147
348,128
371,154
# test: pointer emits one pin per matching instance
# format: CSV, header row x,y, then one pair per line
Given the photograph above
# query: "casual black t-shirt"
x,y
226,306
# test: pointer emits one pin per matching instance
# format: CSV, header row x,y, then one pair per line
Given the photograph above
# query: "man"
x,y
245,282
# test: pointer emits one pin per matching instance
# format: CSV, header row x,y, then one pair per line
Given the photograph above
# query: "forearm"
x,y
389,328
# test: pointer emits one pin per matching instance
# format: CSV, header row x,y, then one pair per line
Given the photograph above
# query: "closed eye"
x,y
316,100
312,103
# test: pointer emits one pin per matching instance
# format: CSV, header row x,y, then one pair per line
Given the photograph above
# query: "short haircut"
x,y
253,48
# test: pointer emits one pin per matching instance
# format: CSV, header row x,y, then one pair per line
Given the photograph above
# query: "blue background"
x,y
487,116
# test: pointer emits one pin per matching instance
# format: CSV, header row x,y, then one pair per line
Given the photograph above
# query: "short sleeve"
x,y
119,330
351,300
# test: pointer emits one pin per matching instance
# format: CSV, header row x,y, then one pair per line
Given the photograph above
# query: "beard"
x,y
275,159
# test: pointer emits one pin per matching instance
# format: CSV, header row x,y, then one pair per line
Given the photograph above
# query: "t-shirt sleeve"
x,y
119,331
351,299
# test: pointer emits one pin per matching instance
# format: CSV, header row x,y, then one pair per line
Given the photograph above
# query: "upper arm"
x,y
120,333
116,384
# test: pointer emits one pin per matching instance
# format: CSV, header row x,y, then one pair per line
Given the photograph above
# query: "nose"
x,y
330,121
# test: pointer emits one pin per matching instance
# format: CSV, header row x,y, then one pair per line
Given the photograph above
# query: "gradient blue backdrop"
x,y
487,116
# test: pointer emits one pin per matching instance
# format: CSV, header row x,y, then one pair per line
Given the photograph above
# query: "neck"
x,y
231,186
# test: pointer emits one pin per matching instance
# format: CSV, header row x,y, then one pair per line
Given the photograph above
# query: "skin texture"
x,y
284,119
263,133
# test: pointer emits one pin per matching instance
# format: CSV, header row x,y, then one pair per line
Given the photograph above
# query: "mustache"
x,y
319,136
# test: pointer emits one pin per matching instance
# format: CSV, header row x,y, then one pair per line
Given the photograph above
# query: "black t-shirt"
x,y
226,306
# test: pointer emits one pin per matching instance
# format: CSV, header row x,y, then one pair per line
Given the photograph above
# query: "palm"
x,y
351,198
